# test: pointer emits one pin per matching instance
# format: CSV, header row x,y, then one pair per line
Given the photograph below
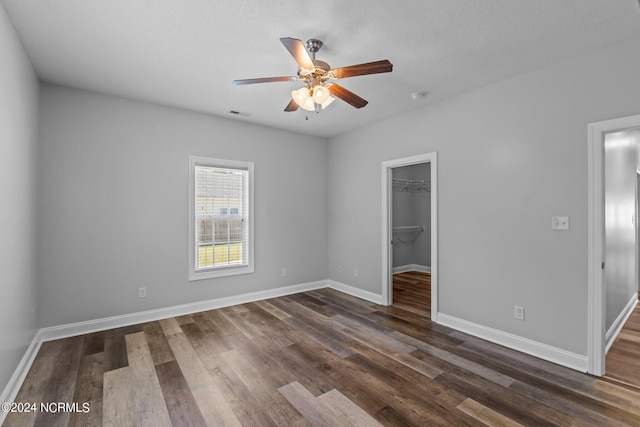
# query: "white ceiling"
x,y
185,53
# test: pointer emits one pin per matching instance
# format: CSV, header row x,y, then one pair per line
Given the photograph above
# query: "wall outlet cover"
x,y
559,222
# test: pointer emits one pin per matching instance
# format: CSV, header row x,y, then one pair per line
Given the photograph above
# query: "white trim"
x,y
15,382
596,347
220,272
637,230
515,342
622,318
553,354
80,328
387,268
411,267
356,292
386,233
596,295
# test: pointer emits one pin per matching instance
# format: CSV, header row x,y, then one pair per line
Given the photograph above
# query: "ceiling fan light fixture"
x,y
300,95
304,98
309,104
320,94
328,102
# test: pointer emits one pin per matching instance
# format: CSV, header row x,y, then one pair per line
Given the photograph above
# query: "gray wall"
x,y
113,195
621,157
18,141
411,208
510,156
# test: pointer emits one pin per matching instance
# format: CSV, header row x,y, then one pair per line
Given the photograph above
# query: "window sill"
x,y
222,272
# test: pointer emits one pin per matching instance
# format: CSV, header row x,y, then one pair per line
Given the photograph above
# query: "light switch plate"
x,y
559,222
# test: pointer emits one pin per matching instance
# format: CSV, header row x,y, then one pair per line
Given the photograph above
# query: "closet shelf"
x,y
411,185
409,229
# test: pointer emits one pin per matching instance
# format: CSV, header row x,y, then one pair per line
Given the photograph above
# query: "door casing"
x,y
596,314
387,268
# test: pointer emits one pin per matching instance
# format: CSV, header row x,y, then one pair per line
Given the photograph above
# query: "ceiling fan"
x,y
320,89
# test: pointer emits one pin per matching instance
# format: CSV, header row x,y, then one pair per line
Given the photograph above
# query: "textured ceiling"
x,y
186,53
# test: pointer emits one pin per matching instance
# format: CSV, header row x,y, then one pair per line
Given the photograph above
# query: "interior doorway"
x,y
614,153
411,238
409,231
623,356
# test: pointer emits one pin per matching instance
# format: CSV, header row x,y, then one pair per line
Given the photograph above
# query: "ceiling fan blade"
x,y
264,80
299,52
292,106
347,96
375,67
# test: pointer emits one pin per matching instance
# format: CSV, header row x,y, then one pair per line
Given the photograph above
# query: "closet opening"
x,y
410,234
411,238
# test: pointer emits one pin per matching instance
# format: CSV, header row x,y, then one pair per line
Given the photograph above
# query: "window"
x,y
220,218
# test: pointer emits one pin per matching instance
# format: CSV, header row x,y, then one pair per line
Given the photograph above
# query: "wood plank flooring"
x,y
319,358
623,358
412,291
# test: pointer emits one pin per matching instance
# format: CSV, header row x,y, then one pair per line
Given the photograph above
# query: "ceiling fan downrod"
x,y
313,45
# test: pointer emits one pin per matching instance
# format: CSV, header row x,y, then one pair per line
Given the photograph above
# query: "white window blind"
x,y
221,218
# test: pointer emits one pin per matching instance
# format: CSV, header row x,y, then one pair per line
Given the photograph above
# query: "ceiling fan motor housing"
x,y
322,69
321,66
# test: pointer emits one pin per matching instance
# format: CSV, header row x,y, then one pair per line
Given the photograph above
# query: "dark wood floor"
x,y
623,358
316,358
412,291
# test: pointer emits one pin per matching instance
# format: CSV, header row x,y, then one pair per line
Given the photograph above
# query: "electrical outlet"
x,y
559,222
355,273
518,312
142,292
284,272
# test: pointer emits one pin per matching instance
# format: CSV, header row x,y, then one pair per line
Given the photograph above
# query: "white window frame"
x,y
195,274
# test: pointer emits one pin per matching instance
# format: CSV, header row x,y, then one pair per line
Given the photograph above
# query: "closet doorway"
x,y
410,234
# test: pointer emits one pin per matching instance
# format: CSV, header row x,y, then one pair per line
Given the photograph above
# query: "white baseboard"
x,y
515,342
622,318
15,382
81,328
356,292
543,351
411,267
